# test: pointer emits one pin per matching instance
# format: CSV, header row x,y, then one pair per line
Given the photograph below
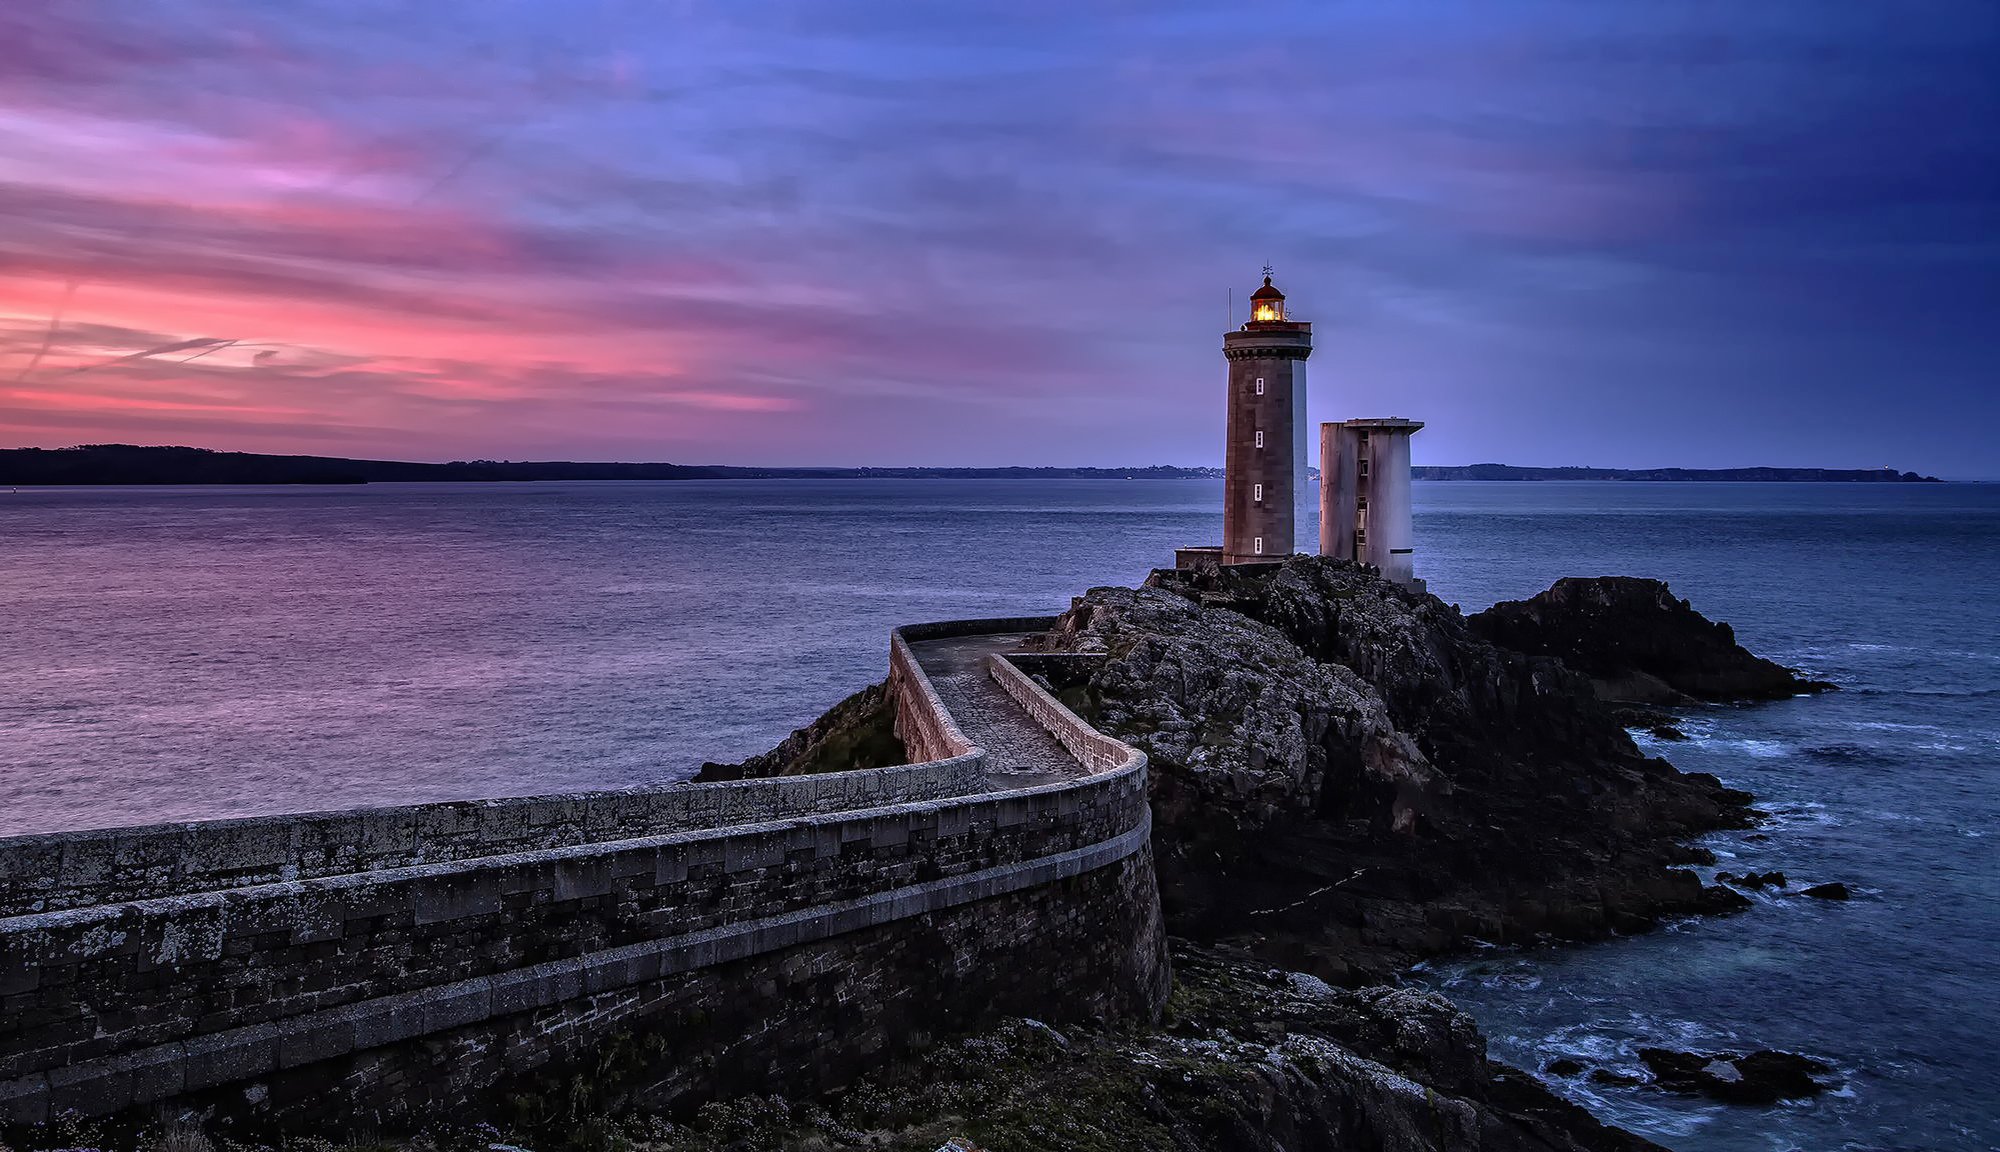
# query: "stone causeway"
x,y
370,967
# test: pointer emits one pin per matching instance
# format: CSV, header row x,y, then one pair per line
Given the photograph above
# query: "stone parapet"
x,y
1092,749
64,870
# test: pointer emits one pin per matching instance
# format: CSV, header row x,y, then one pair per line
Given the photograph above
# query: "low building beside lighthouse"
x,y
1364,495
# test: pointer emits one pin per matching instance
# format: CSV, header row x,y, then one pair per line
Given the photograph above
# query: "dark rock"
x,y
1342,766
1756,881
1563,1066
1638,643
1831,891
859,732
1615,1078
1717,900
1761,1077
1652,721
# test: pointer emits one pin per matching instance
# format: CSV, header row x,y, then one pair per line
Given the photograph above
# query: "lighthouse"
x,y
1264,466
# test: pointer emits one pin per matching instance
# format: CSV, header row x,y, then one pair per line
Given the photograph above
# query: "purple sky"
x,y
847,232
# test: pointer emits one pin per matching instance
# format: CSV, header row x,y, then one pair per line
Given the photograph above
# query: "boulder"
x,y
1716,899
1760,1077
1834,890
1755,881
1613,1078
1639,643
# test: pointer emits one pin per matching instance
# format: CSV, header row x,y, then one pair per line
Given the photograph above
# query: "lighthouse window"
x,y
1257,546
1260,385
1260,437
1256,492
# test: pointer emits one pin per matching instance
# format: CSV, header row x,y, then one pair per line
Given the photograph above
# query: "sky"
x,y
850,232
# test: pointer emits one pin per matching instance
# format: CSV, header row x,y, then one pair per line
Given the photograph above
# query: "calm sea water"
x,y
183,653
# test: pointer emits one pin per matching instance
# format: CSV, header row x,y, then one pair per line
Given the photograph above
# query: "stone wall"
x,y
382,991
80,869
803,1019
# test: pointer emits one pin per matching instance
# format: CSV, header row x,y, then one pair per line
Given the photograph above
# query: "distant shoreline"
x,y
125,464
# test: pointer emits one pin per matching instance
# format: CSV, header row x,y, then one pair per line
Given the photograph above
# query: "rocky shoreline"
x,y
1249,1058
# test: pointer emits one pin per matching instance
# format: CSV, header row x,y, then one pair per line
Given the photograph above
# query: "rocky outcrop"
x,y
1638,643
859,732
1345,769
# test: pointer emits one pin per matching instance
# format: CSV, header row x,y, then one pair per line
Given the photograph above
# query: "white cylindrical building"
x,y
1364,485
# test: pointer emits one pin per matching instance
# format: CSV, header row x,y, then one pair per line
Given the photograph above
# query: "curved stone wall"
x,y
338,995
62,870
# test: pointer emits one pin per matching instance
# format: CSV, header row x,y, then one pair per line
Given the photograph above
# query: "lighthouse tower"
x,y
1265,464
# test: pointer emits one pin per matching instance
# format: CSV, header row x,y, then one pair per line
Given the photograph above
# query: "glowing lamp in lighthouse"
x,y
1267,305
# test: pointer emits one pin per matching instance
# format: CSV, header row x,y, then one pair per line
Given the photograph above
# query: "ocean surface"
x,y
174,654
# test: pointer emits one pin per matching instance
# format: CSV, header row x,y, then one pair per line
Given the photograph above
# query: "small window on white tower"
x,y
1256,492
1260,385
1260,437
1257,546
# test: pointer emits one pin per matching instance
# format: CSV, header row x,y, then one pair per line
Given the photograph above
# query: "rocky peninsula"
x,y
1347,777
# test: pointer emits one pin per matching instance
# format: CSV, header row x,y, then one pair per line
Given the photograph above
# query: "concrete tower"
x,y
1364,495
1265,464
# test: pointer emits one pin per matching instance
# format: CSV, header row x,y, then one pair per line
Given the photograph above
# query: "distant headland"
x,y
136,464
1736,475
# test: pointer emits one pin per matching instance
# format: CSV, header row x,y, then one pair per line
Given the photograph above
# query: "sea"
x,y
189,653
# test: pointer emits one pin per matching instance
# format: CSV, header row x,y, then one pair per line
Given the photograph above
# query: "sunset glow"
x,y
846,234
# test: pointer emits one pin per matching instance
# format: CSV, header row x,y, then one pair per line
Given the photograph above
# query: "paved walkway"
x,y
1019,752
